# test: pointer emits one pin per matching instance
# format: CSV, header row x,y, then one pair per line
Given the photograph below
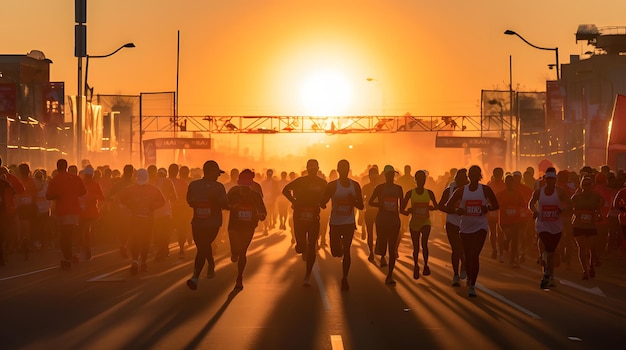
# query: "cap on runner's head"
x,y
517,173
142,176
551,175
211,165
246,178
389,168
88,170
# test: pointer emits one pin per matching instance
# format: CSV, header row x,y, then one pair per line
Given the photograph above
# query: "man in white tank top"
x,y
453,221
547,204
476,200
345,195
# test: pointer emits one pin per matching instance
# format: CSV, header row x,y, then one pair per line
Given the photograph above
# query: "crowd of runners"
x,y
559,218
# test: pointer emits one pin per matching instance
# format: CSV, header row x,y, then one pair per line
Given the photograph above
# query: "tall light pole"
x,y
88,91
555,49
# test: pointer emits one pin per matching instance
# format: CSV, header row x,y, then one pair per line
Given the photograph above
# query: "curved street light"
x,y
555,49
89,91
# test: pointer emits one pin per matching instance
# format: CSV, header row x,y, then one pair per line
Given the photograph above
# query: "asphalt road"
x,y
99,305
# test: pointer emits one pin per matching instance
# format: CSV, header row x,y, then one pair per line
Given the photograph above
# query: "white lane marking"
x,y
103,276
320,286
336,342
29,273
595,290
507,301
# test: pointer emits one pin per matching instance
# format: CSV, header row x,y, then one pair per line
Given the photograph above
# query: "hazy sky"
x,y
272,57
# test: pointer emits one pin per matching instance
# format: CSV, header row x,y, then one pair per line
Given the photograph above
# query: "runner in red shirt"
x,y
512,204
143,199
26,208
496,236
66,189
90,212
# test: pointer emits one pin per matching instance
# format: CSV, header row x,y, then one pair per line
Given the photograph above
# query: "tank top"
x,y
548,208
472,201
420,215
342,212
454,219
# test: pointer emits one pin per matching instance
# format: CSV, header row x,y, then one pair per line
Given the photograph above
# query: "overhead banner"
x,y
151,146
494,147
467,142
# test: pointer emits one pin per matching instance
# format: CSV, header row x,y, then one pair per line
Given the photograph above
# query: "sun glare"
x,y
325,93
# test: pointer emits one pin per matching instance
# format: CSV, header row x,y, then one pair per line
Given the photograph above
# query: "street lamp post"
x,y
89,91
555,49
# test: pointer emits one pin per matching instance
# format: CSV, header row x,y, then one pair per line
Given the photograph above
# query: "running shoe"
x,y
472,291
307,282
383,261
426,271
66,265
592,272
416,272
545,282
390,281
134,267
210,272
552,282
463,274
234,258
371,257
192,283
585,276
238,286
456,281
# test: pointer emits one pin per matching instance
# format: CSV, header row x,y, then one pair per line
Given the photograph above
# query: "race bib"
x,y
344,208
26,201
549,213
390,204
510,212
420,210
244,213
306,214
473,208
202,213
585,217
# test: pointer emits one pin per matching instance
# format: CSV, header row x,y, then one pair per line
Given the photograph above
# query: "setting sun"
x,y
326,93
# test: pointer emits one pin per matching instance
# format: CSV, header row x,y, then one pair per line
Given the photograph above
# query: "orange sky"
x,y
253,57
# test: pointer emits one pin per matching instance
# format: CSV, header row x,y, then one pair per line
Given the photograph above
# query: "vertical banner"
x,y
8,100
149,152
53,94
554,104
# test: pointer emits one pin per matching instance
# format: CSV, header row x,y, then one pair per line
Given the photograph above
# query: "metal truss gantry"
x,y
328,125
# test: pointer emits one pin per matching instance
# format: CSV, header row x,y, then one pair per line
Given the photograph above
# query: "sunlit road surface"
x,y
99,305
